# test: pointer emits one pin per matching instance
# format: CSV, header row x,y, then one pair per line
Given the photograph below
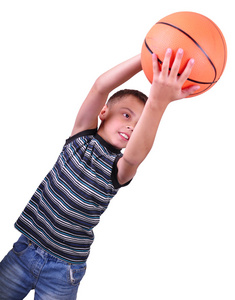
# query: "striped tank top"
x,y
68,203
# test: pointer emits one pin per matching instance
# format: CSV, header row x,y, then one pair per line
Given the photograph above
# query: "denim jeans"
x,y
28,267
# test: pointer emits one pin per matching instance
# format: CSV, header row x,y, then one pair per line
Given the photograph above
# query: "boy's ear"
x,y
103,113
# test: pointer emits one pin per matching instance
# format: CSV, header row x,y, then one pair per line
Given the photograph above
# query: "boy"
x,y
56,225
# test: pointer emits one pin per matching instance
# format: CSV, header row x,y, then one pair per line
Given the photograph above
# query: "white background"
x,y
170,234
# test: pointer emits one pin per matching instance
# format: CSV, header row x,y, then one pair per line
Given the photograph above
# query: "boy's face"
x,y
119,120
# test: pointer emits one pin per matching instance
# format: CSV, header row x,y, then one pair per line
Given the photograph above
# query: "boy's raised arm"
x,y
87,117
165,88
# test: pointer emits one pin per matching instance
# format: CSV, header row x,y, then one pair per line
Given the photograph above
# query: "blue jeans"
x,y
28,267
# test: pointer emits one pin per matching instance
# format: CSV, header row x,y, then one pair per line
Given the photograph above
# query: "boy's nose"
x,y
129,127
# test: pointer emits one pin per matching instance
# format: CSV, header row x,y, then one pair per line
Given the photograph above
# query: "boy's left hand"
x,y
167,85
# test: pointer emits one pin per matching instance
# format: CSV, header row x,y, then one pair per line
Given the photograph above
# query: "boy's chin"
x,y
119,146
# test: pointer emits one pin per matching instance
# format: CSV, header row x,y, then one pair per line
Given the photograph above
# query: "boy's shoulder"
x,y
86,133
91,136
88,152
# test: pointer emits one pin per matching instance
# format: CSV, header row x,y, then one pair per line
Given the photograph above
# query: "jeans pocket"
x,y
20,246
76,273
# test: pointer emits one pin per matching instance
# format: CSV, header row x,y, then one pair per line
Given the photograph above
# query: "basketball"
x,y
198,36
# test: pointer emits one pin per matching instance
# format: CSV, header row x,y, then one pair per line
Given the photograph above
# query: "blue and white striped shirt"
x,y
63,211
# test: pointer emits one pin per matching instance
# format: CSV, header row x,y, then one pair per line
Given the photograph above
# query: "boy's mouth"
x,y
124,136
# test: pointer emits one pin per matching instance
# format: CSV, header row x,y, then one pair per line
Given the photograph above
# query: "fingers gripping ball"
x,y
198,36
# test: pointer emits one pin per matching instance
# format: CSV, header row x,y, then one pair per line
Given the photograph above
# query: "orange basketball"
x,y
198,36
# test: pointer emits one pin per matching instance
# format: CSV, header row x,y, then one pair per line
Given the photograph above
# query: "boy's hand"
x,y
167,85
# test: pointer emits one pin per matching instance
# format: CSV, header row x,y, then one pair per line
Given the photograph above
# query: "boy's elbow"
x,y
100,86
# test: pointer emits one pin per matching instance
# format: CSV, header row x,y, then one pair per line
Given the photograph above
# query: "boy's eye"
x,y
126,115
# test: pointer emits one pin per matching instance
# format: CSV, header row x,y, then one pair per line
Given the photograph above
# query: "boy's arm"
x,y
165,88
87,117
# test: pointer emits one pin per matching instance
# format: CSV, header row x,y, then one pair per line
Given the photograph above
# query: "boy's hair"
x,y
126,92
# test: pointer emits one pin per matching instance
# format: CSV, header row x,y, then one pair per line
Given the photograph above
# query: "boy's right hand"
x,y
167,85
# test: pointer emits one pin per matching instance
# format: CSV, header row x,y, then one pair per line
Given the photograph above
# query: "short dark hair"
x,y
127,92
